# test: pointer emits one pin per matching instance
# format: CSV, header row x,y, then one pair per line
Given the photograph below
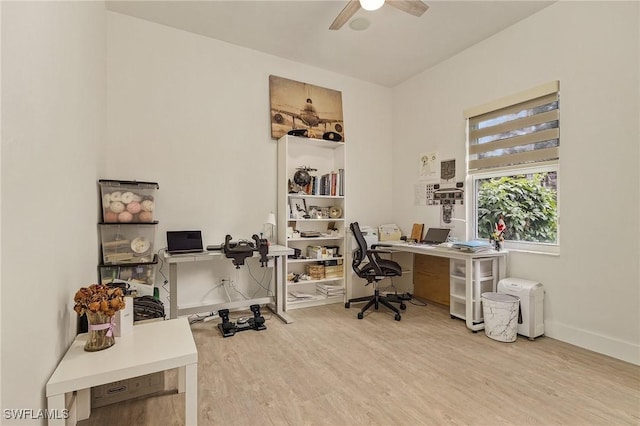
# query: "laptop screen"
x,y
184,242
436,235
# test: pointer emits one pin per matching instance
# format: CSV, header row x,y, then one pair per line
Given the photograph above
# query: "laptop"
x,y
435,236
184,242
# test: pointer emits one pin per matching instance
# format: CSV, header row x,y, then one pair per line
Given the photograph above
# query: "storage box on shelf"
x,y
311,217
484,279
127,201
139,277
127,242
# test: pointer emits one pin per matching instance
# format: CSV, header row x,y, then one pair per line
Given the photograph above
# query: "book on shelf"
x,y
472,246
330,290
298,295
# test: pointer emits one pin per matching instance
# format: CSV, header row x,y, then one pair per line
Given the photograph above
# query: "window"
x,y
512,167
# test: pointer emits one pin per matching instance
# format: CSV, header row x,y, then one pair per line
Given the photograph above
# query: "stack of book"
x,y
331,183
329,290
473,246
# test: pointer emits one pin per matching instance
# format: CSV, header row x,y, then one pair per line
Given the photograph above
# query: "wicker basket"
x,y
315,272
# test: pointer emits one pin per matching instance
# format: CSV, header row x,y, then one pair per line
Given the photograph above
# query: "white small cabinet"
x,y
311,220
484,273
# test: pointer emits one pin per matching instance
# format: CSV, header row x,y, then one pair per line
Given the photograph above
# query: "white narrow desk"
x,y
151,347
468,258
276,252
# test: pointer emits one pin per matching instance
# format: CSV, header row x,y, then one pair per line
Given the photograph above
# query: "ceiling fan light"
x,y
371,4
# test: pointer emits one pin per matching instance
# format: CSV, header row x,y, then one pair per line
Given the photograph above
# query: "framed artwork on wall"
x,y
313,111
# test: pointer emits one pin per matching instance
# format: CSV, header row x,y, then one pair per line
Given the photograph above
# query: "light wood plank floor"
x,y
329,368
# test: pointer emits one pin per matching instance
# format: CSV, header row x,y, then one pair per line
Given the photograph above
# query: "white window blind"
x,y
516,131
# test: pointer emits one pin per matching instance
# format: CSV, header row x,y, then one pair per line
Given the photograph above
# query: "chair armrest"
x,y
373,246
379,251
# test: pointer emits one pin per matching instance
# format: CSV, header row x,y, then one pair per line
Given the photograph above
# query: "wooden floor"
x,y
329,368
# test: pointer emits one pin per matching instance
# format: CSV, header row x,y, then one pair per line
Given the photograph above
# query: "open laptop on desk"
x,y
435,236
184,242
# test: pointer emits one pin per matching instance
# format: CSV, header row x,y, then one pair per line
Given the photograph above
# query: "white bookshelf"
x,y
327,157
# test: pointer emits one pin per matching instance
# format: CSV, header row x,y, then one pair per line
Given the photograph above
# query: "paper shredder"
x,y
531,296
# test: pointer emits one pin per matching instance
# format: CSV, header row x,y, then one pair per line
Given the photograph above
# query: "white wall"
x,y
53,114
192,114
592,292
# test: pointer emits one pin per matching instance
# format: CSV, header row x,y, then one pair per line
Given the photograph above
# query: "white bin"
x,y
501,316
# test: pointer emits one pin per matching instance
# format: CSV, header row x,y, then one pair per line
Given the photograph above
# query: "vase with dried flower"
x,y
100,303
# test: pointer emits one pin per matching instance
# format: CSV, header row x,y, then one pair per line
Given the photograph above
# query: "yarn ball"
x,y
148,205
127,197
116,196
133,207
125,217
106,200
137,197
145,216
116,207
110,216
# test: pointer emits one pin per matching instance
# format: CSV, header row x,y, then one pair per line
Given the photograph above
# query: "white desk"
x,y
276,252
468,259
150,348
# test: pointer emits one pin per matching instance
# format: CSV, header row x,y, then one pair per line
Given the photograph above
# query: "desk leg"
x,y
280,289
173,291
83,402
191,394
56,404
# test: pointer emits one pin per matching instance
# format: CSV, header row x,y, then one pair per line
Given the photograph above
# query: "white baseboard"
x,y
606,345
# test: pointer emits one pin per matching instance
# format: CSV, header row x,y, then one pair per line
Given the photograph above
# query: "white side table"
x,y
151,347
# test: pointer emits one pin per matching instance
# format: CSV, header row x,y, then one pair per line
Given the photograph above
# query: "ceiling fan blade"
x,y
413,7
349,10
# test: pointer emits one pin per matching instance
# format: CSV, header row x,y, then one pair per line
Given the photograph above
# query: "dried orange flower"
x,y
98,298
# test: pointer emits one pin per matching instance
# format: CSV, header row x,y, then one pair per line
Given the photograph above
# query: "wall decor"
x,y
429,165
296,105
448,171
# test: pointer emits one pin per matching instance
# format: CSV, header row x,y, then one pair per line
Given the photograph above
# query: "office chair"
x,y
373,270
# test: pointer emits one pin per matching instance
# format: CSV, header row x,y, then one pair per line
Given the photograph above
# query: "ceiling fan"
x,y
413,7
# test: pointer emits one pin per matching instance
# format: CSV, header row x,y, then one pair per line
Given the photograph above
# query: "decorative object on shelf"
x,y
497,236
302,178
318,111
298,208
314,212
332,136
99,303
304,133
335,212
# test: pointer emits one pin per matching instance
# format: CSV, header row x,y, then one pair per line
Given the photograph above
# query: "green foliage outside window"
x,y
527,202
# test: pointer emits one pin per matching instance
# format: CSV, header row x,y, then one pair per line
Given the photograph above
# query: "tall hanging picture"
x,y
312,110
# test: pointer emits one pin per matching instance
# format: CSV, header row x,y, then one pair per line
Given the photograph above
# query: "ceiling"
x,y
395,47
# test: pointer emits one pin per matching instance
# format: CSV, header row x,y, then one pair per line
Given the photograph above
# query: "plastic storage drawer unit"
x,y
531,296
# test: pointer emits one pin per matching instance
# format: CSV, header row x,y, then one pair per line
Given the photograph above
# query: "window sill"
x,y
533,248
529,251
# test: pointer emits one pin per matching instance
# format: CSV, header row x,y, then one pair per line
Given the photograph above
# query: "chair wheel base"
x,y
360,315
397,317
347,305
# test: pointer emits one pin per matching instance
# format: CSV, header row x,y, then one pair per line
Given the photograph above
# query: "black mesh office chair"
x,y
374,270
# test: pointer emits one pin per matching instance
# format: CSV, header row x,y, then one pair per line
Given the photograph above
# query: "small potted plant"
x,y
100,303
